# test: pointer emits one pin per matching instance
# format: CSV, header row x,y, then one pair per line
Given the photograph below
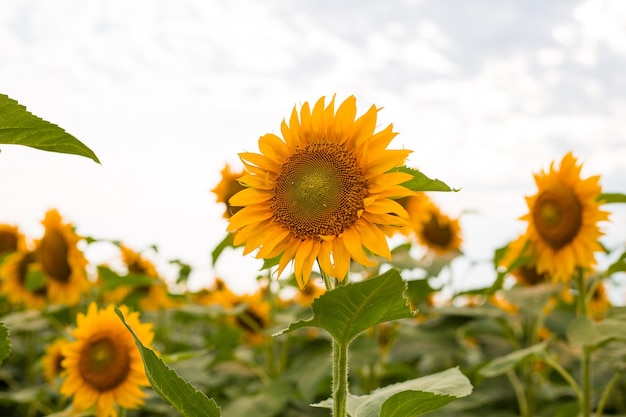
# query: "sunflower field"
x,y
351,314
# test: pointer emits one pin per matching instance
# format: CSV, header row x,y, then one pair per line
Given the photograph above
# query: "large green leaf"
x,y
409,398
348,310
420,182
5,343
20,127
170,386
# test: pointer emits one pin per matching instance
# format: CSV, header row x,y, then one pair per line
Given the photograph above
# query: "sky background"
x,y
166,92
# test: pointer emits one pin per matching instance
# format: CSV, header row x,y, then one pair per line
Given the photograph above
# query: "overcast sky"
x,y
167,92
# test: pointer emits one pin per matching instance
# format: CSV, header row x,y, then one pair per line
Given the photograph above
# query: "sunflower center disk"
x,y
558,216
319,191
8,242
436,233
104,363
53,253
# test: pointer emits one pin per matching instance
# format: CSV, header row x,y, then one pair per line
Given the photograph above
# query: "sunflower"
x,y
321,192
15,271
218,294
102,366
255,318
599,303
228,187
520,251
437,231
52,359
150,297
563,219
62,262
11,240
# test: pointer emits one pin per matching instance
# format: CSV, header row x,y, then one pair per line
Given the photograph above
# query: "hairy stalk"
x,y
340,366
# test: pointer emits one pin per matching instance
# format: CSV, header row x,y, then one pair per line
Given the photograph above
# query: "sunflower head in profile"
x,y
52,359
255,318
152,296
62,262
520,260
228,186
15,284
563,219
103,368
11,240
322,192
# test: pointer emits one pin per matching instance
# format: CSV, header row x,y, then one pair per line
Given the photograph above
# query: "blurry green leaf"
x,y
5,343
268,402
611,198
503,364
35,280
584,332
532,299
170,386
348,310
409,398
227,242
618,266
111,279
184,270
20,127
421,182
26,321
314,362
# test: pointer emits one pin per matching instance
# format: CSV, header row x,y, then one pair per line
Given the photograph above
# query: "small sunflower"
x,y
11,239
322,191
103,367
52,359
218,294
526,274
152,297
312,290
228,187
563,219
255,319
599,303
14,283
62,262
438,232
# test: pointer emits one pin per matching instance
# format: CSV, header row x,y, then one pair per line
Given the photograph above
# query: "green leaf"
x,y
611,198
503,364
20,127
111,279
413,403
227,242
268,402
584,332
618,266
5,343
170,386
409,398
421,182
35,280
348,310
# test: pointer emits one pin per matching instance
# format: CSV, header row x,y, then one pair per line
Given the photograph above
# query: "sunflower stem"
x,y
340,378
340,367
585,362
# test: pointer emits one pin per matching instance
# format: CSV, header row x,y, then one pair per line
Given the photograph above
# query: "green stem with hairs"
x,y
340,367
